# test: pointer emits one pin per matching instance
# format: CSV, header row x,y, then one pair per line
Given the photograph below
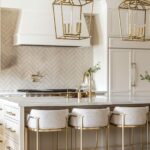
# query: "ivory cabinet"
x,y
125,68
120,71
1,127
10,127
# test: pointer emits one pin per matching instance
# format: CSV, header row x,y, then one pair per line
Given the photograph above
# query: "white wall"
x,y
100,43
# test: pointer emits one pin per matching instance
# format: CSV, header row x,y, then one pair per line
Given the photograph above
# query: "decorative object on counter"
x,y
133,19
146,76
69,20
36,77
88,82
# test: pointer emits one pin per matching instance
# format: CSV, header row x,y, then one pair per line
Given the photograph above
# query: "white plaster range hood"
x,y
36,26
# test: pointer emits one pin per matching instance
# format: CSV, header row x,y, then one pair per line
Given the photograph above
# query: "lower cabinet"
x,y
125,67
9,128
10,145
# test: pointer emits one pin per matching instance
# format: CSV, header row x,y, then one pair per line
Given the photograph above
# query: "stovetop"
x,y
52,92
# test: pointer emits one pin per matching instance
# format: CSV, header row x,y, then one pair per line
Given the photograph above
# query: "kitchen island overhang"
x,y
15,110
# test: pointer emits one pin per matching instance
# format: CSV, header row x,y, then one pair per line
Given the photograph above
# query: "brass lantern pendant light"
x,y
133,20
72,19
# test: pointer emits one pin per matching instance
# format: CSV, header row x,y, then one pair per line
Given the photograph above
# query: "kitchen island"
x,y
15,109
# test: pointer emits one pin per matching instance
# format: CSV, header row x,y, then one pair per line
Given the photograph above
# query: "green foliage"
x,y
146,76
93,69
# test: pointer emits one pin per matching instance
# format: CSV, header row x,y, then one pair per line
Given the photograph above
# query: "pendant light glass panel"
x,y
69,19
134,20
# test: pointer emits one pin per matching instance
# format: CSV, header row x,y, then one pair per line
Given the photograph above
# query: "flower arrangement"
x,y
93,69
146,76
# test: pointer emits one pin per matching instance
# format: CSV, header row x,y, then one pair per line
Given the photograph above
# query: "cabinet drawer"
x,y
11,112
12,130
10,145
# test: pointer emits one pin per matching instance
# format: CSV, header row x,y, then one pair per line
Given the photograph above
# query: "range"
x,y
52,92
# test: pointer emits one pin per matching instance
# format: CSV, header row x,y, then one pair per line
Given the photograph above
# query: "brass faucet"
x,y
36,77
87,81
88,78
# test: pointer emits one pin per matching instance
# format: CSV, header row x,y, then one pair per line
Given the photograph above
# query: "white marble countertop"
x,y
61,101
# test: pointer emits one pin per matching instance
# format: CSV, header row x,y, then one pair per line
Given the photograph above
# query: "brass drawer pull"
x,y
1,141
11,130
1,124
10,113
9,148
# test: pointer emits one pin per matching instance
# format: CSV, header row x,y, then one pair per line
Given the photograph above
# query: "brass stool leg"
x,y
75,138
147,134
81,138
71,138
66,138
142,141
107,138
57,140
28,139
37,133
132,138
123,121
97,139
81,134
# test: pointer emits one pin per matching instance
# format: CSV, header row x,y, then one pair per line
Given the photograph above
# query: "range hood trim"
x,y
47,40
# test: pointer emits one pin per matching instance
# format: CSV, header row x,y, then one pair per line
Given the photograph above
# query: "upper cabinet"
x,y
36,24
126,66
127,61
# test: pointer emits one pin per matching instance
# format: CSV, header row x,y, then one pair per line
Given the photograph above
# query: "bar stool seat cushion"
x,y
133,116
92,118
48,119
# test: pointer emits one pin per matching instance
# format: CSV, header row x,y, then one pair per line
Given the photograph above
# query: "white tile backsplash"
x,y
62,67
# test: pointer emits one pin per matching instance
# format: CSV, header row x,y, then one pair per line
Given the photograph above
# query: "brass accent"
x,y
10,129
36,77
123,126
9,148
10,113
71,29
81,128
37,130
87,77
136,31
79,96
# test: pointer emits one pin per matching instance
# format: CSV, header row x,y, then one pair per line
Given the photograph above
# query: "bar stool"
x,y
47,121
130,117
90,119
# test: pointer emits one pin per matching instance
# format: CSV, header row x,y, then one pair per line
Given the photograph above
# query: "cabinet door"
x,y
142,62
120,71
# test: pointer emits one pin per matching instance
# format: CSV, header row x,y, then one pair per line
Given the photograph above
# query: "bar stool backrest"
x,y
133,115
92,118
48,119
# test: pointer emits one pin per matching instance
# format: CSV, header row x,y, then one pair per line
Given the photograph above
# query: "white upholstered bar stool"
x,y
47,121
130,117
90,119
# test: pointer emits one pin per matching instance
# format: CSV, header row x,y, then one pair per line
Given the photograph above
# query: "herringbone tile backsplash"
x,y
62,67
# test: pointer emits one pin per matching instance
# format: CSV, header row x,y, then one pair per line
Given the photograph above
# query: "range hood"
x,y
36,27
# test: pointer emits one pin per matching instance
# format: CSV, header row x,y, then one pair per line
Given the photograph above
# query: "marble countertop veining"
x,y
61,101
